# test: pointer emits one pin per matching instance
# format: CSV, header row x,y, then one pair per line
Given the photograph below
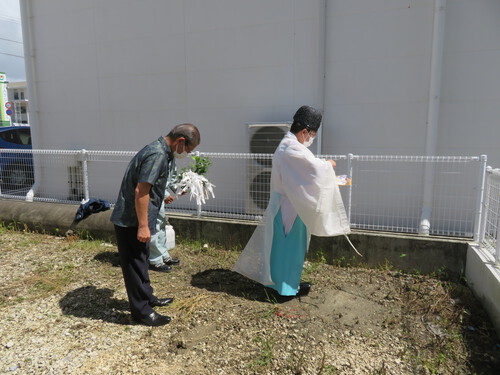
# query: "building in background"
x,y
13,102
4,101
18,97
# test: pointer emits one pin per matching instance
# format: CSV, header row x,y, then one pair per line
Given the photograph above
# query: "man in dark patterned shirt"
x,y
134,216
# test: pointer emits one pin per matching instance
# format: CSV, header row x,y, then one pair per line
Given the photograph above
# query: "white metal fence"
x,y
490,218
388,192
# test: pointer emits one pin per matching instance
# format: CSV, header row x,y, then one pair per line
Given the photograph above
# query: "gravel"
x,y
64,310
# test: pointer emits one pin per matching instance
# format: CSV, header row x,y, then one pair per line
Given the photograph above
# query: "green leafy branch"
x,y
200,166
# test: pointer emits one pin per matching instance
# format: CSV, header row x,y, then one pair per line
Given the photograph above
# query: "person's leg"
x,y
157,247
287,256
158,243
169,245
133,259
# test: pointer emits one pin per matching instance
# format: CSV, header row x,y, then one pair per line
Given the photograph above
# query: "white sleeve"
x,y
311,186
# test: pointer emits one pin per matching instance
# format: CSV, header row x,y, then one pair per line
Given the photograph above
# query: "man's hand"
x,y
332,162
169,199
143,234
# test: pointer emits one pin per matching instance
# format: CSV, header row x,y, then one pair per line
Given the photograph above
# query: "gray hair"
x,y
187,131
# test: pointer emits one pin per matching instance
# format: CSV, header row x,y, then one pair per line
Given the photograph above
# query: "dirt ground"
x,y
63,310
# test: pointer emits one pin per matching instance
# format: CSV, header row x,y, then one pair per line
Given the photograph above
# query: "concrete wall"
x,y
483,276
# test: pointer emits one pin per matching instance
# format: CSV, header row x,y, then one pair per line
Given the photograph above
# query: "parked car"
x,y
16,169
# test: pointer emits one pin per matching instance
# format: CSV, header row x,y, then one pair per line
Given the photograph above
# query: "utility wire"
x,y
11,40
10,19
10,54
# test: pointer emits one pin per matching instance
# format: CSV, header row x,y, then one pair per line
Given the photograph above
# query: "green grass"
x,y
264,356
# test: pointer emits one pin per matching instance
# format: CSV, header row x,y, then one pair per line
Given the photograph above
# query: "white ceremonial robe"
x,y
303,185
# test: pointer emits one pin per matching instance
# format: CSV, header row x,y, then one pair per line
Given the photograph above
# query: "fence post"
x,y
480,212
485,205
497,251
85,175
350,158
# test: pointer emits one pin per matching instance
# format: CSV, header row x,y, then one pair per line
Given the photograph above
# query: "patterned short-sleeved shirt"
x,y
151,165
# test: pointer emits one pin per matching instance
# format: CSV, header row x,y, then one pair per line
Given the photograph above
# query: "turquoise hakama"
x,y
287,256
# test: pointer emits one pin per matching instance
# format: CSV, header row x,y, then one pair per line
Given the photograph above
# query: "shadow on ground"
x,y
99,304
110,257
230,282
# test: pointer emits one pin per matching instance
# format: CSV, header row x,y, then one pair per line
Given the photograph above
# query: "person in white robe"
x,y
304,200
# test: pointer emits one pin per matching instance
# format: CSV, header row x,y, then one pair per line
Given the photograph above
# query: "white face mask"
x,y
309,142
183,154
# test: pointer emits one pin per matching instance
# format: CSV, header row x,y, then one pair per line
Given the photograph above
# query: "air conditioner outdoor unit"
x,y
263,139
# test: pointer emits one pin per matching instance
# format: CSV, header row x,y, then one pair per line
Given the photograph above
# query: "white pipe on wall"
x,y
29,59
322,78
433,113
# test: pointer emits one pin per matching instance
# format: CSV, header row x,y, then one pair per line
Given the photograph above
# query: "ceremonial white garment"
x,y
302,185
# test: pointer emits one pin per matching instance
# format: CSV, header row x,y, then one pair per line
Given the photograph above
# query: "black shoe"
x,y
160,267
304,289
172,262
274,297
158,302
154,320
283,299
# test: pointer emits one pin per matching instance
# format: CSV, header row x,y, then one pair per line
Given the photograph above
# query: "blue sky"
x,y
11,47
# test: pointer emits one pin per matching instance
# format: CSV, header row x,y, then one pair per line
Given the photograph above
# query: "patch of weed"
x,y
45,281
265,355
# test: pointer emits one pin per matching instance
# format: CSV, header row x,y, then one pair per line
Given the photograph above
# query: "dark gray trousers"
x,y
134,263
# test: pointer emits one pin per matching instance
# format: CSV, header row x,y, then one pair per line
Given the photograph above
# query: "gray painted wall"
x,y
116,74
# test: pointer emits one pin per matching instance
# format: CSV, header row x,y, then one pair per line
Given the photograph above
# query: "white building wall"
x,y
378,57
129,70
377,75
116,74
470,110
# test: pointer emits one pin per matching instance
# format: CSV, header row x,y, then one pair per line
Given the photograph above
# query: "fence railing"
x,y
490,218
388,193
